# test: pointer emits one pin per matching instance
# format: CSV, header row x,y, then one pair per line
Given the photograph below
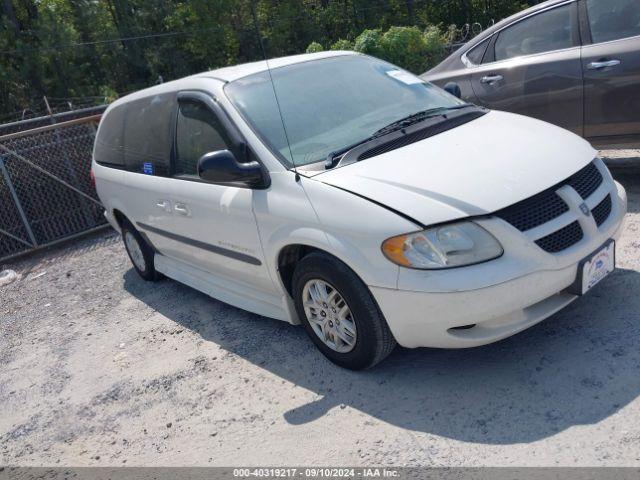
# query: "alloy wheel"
x,y
329,315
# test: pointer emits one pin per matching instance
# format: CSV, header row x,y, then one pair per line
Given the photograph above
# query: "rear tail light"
x,y
93,178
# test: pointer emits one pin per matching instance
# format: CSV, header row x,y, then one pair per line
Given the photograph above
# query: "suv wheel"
x,y
339,313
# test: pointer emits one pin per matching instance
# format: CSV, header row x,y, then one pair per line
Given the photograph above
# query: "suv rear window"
x,y
109,145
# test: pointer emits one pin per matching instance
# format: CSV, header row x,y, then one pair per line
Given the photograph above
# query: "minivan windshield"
x,y
330,103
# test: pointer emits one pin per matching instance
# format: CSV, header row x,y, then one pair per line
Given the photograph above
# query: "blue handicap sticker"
x,y
147,168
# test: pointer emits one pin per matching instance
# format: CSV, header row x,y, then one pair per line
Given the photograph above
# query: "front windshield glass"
x,y
330,103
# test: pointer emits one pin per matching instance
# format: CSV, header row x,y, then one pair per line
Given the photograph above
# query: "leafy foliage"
x,y
405,46
370,43
342,44
408,47
84,51
314,47
435,45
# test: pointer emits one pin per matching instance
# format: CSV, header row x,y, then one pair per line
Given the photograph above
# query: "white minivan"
x,y
341,192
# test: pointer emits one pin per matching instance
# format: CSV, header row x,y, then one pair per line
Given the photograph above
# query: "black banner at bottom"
x,y
206,473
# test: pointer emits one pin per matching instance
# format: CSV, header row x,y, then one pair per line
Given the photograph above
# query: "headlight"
x,y
446,246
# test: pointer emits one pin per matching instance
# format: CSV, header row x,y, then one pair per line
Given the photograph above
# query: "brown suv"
x,y
572,63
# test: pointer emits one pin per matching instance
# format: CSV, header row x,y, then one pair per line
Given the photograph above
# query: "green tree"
x,y
314,47
342,45
435,47
406,47
370,43
83,48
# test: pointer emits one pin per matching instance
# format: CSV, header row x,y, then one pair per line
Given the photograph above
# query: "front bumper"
x,y
501,297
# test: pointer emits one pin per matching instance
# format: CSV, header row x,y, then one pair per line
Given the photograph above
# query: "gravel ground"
x,y
101,368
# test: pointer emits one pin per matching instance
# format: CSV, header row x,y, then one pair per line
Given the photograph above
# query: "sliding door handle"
x,y
164,205
182,209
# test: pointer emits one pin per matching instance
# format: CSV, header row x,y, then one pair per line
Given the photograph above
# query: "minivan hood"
x,y
474,169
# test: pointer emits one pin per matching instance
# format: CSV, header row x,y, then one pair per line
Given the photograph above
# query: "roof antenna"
x,y
273,86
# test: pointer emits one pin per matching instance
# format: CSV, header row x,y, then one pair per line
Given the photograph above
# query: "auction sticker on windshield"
x,y
595,268
405,77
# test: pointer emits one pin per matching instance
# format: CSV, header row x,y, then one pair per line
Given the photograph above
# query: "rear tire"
x,y
139,251
325,291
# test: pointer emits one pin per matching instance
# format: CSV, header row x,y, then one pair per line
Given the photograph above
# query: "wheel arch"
x,y
119,217
285,247
116,213
289,255
288,258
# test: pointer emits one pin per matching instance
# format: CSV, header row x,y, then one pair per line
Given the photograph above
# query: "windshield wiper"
x,y
333,158
417,117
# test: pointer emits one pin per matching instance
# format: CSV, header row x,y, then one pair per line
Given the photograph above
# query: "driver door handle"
x,y
491,79
603,64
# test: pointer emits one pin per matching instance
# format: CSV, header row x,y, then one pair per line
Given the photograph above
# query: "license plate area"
x,y
593,269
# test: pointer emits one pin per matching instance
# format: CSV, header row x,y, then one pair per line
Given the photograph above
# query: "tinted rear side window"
x,y
136,136
109,144
613,19
147,134
544,32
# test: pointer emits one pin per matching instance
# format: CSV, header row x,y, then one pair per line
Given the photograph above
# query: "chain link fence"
x,y
46,193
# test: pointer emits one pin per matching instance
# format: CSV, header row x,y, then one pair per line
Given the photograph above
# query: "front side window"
x,y
613,19
329,104
544,32
198,131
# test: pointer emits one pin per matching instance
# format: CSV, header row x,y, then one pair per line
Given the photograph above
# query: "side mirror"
x,y
454,89
222,167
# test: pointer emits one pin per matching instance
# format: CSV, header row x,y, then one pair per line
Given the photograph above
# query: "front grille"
x,y
534,211
547,205
586,181
562,239
602,211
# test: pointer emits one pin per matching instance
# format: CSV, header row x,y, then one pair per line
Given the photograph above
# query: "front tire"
x,y
339,313
139,251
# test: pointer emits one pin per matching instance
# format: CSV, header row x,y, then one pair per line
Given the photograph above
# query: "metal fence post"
x,y
16,201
